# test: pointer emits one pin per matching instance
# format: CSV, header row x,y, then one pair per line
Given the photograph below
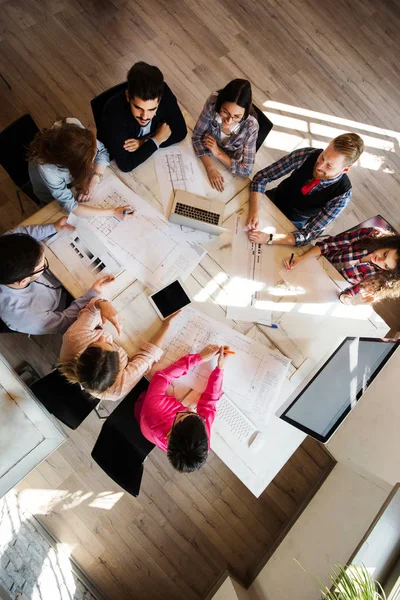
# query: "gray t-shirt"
x,y
40,307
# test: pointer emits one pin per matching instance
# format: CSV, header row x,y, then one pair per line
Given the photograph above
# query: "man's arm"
x,y
38,232
174,118
278,169
317,224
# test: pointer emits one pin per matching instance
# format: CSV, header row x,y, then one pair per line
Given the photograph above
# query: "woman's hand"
x,y
209,352
296,260
124,212
86,196
108,313
346,298
216,179
224,352
211,144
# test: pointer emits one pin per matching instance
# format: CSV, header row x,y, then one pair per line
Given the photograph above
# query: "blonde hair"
x,y
350,145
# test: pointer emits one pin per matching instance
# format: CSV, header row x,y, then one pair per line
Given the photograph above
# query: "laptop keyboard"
x,y
196,213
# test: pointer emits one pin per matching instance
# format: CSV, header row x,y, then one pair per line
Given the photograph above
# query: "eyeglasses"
x,y
42,269
227,115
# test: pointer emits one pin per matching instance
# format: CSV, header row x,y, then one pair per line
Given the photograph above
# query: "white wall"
x,y
326,533
369,439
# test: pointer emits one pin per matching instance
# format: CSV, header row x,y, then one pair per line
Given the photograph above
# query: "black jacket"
x,y
118,124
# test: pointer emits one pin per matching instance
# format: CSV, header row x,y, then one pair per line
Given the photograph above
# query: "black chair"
x,y
66,401
121,448
14,143
264,124
98,104
5,328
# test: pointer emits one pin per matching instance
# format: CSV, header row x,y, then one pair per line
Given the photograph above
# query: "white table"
x,y
304,338
28,433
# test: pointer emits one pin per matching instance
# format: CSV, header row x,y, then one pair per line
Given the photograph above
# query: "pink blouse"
x,y
86,330
155,411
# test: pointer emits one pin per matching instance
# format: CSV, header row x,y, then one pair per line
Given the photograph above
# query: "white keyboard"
x,y
231,418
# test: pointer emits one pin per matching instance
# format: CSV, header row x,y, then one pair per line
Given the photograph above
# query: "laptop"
x,y
197,212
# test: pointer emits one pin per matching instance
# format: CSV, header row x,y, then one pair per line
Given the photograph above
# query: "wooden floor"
x,y
321,68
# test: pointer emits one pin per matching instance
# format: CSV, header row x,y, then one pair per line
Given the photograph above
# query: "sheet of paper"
x,y
250,272
249,314
84,255
146,245
309,283
252,377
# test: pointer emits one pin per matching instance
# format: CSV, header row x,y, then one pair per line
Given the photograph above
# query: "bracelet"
x,y
99,175
271,237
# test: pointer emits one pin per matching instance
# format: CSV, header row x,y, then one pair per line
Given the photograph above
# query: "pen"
x,y
291,258
273,325
127,212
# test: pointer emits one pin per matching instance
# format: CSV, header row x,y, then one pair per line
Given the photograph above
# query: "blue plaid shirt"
x,y
240,146
332,209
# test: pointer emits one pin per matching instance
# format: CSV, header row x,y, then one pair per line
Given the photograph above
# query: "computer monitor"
x,y
334,390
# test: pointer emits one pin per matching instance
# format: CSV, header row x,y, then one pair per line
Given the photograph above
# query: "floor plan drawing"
x,y
146,244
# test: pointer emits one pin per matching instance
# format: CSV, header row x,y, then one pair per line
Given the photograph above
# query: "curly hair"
x,y
384,284
68,146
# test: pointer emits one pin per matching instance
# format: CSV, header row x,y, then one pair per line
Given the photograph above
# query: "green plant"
x,y
350,583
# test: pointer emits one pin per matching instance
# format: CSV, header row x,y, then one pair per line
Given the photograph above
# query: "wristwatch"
x,y
271,237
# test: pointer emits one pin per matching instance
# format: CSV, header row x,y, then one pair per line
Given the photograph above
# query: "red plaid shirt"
x,y
344,249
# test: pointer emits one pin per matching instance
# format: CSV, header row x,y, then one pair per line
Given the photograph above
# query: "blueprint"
x,y
146,244
252,377
83,253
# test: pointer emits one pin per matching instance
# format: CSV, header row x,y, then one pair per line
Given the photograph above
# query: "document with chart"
x,y
251,271
253,375
83,253
146,244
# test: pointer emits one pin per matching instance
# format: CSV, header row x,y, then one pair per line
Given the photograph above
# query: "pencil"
x,y
291,258
229,352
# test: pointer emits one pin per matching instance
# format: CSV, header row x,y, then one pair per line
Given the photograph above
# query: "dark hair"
x,y
20,255
237,91
188,444
95,369
383,284
69,146
145,82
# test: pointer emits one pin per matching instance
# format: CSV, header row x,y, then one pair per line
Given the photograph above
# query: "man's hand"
x,y
108,313
123,213
62,225
209,352
258,237
253,221
163,132
102,283
216,179
133,144
211,144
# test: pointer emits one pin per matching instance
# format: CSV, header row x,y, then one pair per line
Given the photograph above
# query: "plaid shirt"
x,y
240,146
344,251
332,209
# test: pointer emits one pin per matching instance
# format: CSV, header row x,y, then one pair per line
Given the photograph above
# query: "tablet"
x,y
170,299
